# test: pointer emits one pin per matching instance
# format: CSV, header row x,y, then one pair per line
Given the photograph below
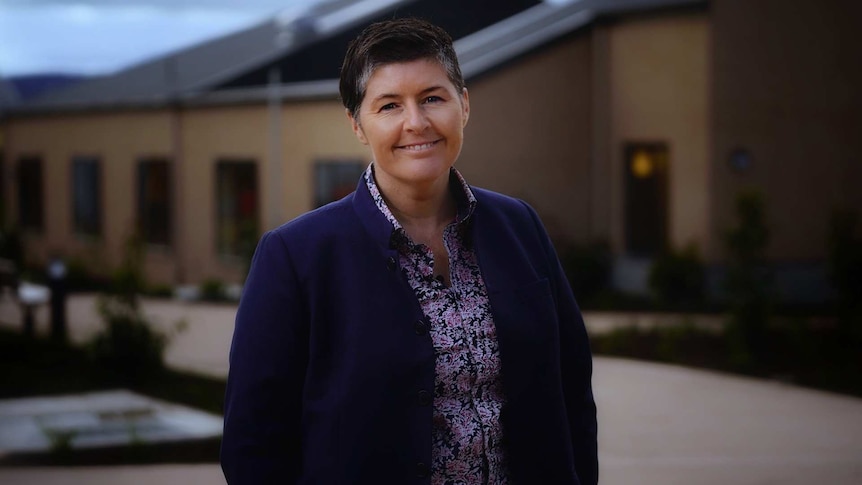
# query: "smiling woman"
x,y
419,330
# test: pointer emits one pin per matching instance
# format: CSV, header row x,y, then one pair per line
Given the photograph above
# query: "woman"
x,y
418,330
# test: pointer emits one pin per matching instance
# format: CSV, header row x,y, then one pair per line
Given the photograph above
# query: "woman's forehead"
x,y
420,74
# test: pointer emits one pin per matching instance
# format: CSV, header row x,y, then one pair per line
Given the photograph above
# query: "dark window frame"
x,y
80,225
331,187
33,220
646,216
155,225
248,231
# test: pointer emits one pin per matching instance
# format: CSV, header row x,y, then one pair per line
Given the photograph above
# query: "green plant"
x,y
677,279
748,282
588,268
128,281
845,271
11,247
160,290
129,345
80,277
60,441
213,289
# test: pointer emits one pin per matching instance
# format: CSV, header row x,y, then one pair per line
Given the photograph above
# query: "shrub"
x,y
128,346
681,344
748,282
677,279
213,289
160,291
11,247
845,271
588,268
80,278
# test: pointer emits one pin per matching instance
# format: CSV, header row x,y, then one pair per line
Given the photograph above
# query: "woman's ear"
x,y
357,128
465,107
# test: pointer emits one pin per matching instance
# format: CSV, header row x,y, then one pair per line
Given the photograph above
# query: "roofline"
x,y
478,53
325,25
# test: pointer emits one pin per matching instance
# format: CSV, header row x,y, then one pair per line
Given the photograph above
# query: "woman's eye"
x,y
387,107
433,99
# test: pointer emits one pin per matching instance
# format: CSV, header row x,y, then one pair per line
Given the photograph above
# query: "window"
x,y
30,194
236,207
87,196
334,180
646,167
154,201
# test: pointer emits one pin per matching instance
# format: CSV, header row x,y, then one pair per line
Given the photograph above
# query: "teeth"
x,y
419,147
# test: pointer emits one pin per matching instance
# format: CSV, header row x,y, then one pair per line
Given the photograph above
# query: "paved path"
x,y
659,424
202,346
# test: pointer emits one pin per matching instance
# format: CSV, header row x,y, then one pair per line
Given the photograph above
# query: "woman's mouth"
x,y
418,147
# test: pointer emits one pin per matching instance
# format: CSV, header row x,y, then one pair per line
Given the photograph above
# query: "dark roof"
x,y
202,66
308,50
34,85
322,60
8,95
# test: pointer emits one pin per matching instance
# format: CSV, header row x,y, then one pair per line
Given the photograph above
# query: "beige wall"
x,y
118,140
529,135
658,91
309,132
787,77
208,136
194,139
314,131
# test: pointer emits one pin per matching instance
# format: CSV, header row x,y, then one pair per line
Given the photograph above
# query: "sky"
x,y
93,37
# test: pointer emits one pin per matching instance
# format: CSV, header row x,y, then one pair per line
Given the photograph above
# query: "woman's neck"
x,y
424,210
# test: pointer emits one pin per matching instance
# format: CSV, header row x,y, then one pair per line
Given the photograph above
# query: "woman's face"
x,y
412,118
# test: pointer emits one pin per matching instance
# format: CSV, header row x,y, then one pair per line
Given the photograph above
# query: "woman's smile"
x,y
419,147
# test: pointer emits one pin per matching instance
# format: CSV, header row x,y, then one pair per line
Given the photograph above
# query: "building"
x,y
635,122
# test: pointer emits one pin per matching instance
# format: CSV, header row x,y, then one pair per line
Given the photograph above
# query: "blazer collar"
x,y
375,223
382,226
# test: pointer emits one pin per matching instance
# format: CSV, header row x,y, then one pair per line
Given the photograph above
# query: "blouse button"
x,y
422,470
420,327
425,398
390,264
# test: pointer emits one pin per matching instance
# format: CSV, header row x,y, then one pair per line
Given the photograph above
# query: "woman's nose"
x,y
416,118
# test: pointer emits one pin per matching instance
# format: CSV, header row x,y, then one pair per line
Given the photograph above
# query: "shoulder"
x,y
505,206
329,220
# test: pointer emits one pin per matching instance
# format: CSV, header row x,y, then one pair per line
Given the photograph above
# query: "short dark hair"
x,y
391,41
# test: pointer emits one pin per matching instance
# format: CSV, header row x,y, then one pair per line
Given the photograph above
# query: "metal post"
x,y
57,285
29,321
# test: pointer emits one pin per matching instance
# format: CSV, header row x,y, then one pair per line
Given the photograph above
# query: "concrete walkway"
x,y
659,424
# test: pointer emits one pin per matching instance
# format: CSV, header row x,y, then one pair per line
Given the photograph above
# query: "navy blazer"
x,y
331,361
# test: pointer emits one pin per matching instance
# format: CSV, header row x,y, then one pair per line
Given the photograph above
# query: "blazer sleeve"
x,y
576,366
268,359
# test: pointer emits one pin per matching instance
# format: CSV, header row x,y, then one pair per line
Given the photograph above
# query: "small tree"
x,y
748,281
588,268
129,345
677,279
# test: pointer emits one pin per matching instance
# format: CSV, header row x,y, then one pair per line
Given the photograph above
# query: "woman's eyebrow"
x,y
398,96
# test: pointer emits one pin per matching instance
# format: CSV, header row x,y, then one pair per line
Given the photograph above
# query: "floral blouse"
x,y
468,396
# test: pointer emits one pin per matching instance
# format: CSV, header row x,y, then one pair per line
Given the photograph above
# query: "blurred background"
x,y
696,162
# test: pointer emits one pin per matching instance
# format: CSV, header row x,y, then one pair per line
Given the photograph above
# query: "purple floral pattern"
x,y
467,433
